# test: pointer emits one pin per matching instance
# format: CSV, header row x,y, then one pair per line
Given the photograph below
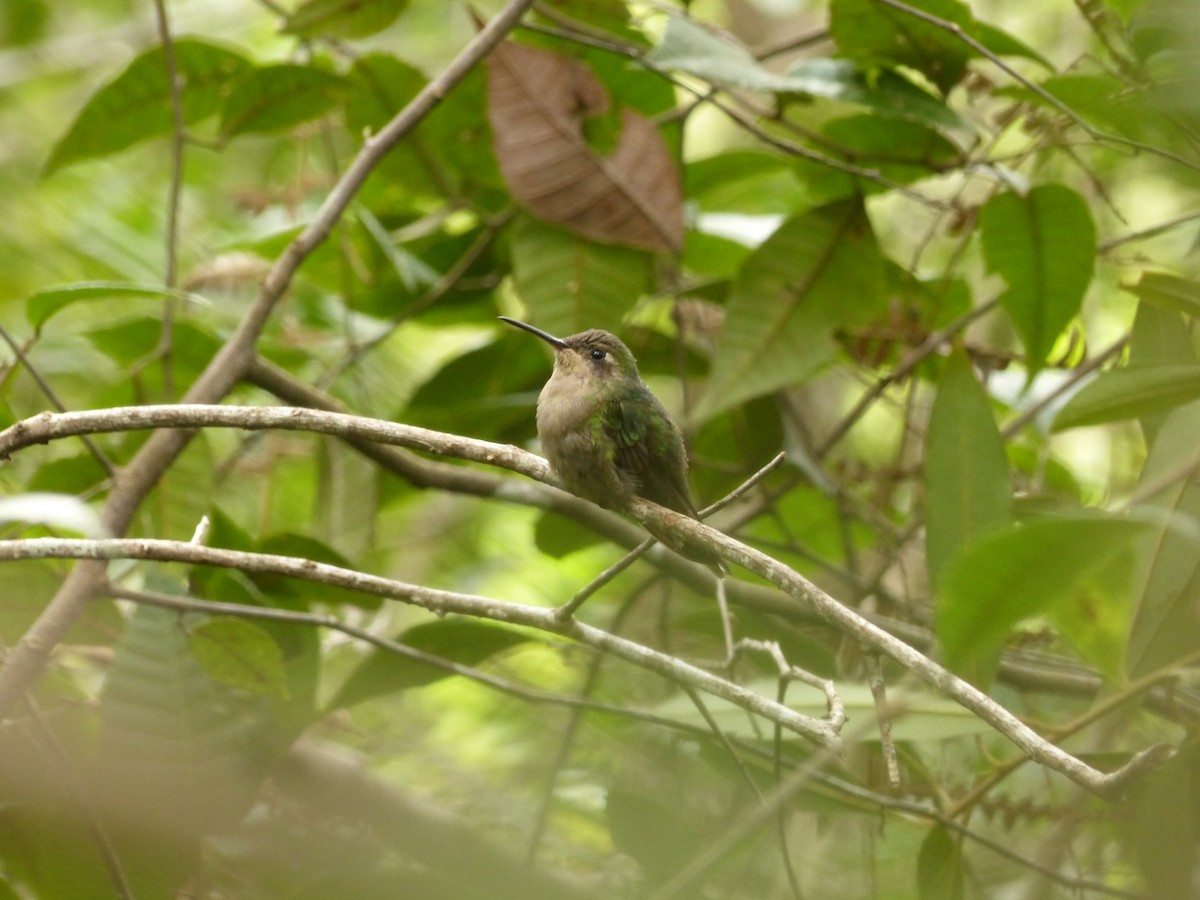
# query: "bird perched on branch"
x,y
608,438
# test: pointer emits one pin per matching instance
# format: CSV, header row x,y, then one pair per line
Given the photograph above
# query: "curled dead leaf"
x,y
538,103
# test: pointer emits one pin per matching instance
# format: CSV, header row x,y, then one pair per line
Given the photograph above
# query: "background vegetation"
x,y
942,256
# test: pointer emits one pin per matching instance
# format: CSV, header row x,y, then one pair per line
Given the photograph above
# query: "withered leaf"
x,y
538,102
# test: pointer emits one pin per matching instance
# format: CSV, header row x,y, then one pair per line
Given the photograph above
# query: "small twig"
x,y
742,489
1142,234
907,365
174,191
48,391
883,714
723,738
1077,375
568,609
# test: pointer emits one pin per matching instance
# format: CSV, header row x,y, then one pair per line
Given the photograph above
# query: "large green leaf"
x,y
347,19
136,105
1131,392
968,491
1021,572
820,271
878,34
463,641
571,284
277,97
1044,245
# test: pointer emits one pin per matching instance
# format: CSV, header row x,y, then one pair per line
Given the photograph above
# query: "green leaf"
x,y
1168,292
689,47
940,866
240,654
571,284
1131,392
968,491
41,306
745,181
1168,580
1002,43
820,271
131,341
1017,573
378,87
464,641
136,105
345,19
902,151
1044,245
876,34
1160,825
277,97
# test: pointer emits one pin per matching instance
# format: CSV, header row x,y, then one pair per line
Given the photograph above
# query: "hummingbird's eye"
x,y
598,354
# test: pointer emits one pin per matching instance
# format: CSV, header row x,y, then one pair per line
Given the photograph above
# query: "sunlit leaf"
x,y
136,104
968,491
1043,244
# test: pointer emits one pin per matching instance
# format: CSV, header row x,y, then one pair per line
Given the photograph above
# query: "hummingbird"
x,y
606,437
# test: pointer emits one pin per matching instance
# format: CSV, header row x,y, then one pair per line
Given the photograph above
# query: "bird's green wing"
x,y
648,450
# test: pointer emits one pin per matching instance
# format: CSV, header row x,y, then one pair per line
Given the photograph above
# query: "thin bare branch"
x,y
436,601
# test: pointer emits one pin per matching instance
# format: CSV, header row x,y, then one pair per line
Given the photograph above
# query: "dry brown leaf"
x,y
537,104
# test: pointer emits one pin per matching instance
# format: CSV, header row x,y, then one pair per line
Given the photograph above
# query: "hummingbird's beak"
x,y
556,343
